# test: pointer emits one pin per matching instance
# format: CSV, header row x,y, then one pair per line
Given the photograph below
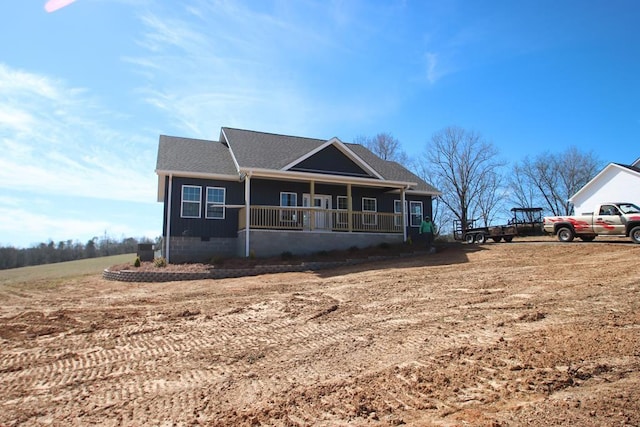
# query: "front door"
x,y
322,216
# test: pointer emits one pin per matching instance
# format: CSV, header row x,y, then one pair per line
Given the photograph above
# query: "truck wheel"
x,y
508,239
470,238
497,239
587,238
565,234
481,238
635,234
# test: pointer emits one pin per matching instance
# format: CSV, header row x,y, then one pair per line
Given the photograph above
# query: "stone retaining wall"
x,y
224,273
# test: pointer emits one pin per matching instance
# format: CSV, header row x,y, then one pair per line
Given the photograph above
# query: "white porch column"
x,y
247,213
312,197
404,214
349,209
168,232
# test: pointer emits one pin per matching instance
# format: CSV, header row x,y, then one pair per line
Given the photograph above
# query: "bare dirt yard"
x,y
531,333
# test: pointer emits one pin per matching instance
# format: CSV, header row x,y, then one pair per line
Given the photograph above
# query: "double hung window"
x,y
215,202
191,200
342,206
416,213
288,199
369,209
397,209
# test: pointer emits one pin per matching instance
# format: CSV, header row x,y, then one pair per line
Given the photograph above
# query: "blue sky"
x,y
86,90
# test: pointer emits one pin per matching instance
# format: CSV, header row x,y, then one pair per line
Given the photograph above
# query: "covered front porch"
x,y
319,220
326,218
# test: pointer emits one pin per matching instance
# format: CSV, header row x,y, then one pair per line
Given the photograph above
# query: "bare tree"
x,y
466,167
491,200
385,146
521,191
550,180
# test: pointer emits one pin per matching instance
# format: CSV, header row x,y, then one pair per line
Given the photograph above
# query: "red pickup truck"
x,y
610,219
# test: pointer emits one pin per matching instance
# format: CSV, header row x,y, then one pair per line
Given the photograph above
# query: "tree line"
x,y
69,250
478,185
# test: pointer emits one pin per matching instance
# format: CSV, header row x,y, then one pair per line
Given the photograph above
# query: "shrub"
x,y
384,245
286,255
322,253
136,263
160,262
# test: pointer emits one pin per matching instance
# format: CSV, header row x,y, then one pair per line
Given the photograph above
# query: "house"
x,y
615,183
263,194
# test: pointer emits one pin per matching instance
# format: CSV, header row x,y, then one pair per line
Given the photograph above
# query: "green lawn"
x,y
62,270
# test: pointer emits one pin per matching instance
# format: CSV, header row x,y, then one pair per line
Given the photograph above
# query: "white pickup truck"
x,y
610,219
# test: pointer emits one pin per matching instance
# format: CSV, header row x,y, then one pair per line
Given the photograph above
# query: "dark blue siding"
x,y
203,227
331,161
267,193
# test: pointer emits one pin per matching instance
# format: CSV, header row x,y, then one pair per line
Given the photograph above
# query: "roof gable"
x,y
330,160
609,169
333,157
263,150
280,156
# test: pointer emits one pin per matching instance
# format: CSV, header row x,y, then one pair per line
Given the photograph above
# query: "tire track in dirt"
x,y
363,348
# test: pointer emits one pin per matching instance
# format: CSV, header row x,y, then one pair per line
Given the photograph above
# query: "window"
x,y
608,210
416,213
288,199
343,205
191,199
397,209
369,205
215,202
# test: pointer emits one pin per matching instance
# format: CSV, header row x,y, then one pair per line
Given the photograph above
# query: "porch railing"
x,y
299,218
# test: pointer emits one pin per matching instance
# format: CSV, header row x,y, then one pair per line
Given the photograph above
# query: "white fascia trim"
x,y
182,174
319,177
344,149
419,193
162,174
233,156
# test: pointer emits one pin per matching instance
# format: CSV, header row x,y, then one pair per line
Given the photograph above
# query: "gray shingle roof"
x,y
266,150
262,150
390,170
194,156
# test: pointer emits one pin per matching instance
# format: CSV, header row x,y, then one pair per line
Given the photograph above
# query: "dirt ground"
x,y
531,333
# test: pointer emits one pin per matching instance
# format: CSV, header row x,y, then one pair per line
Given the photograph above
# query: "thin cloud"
x,y
432,64
217,63
52,138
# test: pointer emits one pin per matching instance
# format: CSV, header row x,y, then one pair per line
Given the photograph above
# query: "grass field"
x,y
61,270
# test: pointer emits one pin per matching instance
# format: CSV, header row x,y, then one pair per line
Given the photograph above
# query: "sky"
x,y
88,86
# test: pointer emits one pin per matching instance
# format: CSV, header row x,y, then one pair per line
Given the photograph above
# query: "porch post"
x,y
168,229
247,216
312,196
349,209
404,214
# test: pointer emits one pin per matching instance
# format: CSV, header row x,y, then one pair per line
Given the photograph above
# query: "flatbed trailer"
x,y
524,222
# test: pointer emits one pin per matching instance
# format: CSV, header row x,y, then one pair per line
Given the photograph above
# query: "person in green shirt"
x,y
427,228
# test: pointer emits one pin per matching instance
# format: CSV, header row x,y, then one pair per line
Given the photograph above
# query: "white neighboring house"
x,y
615,183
